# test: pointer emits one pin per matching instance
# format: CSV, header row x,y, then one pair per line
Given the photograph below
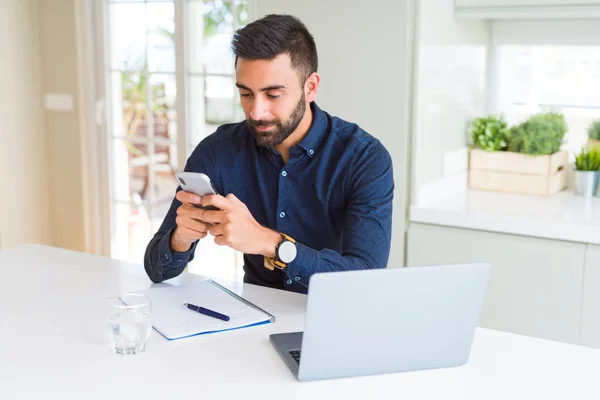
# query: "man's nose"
x,y
259,109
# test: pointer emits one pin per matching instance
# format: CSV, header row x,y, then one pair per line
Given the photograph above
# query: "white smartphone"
x,y
197,183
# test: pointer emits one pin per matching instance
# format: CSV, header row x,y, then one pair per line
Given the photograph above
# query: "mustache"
x,y
261,123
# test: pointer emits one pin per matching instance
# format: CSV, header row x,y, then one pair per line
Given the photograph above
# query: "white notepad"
x,y
175,321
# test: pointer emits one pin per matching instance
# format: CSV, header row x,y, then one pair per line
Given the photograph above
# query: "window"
x,y
548,65
559,78
170,83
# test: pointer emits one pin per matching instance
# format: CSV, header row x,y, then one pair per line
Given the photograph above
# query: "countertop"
x,y
563,216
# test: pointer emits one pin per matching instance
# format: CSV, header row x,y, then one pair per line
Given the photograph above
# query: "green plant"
x,y
541,134
594,130
489,133
588,160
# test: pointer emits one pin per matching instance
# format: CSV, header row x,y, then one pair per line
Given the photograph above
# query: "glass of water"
x,y
129,323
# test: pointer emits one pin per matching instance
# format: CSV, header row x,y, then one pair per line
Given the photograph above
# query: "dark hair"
x,y
268,37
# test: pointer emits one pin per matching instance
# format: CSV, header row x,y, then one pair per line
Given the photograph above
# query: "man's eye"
x,y
245,95
272,96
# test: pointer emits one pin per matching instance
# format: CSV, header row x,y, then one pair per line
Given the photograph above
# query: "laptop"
x,y
389,320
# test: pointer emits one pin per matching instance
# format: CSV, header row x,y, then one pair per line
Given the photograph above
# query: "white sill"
x,y
563,216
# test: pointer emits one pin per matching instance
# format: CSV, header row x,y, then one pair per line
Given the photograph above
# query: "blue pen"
x,y
206,311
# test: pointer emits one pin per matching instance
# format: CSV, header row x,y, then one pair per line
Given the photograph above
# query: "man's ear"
x,y
311,87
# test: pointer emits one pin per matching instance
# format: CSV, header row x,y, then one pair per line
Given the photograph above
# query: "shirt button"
x,y
282,215
289,282
284,173
297,278
311,152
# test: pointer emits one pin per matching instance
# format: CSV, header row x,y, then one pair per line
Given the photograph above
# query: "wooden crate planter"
x,y
593,143
509,172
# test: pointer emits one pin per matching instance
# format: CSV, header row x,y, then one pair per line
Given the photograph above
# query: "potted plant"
x,y
530,163
587,172
594,134
489,133
542,134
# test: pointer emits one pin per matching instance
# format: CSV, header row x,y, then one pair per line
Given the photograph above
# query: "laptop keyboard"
x,y
295,355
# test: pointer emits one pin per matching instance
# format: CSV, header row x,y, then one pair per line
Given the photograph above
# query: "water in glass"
x,y
129,323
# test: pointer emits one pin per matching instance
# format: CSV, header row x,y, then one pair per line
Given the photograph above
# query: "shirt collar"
x,y
313,137
317,130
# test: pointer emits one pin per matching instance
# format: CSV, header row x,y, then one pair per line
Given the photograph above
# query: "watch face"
x,y
287,252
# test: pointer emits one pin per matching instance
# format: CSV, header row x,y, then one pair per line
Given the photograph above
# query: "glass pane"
x,y
164,96
161,37
116,104
129,174
131,167
140,1
195,45
128,36
219,99
131,232
164,168
218,56
240,13
564,79
129,104
211,107
238,111
197,129
212,24
159,212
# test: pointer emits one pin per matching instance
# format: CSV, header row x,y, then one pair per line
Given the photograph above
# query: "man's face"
x,y
272,98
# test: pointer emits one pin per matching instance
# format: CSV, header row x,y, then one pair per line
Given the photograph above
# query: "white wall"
x,y
450,87
40,157
365,60
24,198
59,75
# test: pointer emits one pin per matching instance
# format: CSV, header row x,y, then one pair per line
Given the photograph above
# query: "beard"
x,y
281,130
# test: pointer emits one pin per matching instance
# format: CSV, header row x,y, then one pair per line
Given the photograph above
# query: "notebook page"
x,y
171,318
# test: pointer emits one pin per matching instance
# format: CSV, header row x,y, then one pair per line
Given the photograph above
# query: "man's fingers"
x,y
217,230
231,197
209,217
214,217
192,224
190,211
188,198
220,240
190,234
217,201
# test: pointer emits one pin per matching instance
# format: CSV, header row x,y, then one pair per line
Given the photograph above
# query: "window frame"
x,y
95,67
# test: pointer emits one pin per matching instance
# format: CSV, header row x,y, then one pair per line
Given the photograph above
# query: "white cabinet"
x,y
535,286
590,314
495,9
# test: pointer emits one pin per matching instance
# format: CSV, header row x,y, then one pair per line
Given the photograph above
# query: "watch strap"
x,y
272,263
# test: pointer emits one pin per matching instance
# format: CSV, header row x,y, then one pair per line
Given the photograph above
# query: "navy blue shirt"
x,y
334,197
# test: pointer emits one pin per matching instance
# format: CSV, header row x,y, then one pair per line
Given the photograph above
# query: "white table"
x,y
53,344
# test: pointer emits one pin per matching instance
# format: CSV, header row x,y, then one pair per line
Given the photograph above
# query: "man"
x,y
305,192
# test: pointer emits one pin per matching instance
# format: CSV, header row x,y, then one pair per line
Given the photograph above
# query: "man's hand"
x,y
233,225
189,225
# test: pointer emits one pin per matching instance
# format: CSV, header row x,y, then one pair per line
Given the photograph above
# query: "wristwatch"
x,y
285,253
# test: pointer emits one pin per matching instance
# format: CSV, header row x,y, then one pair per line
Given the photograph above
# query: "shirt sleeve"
x,y
160,262
368,225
